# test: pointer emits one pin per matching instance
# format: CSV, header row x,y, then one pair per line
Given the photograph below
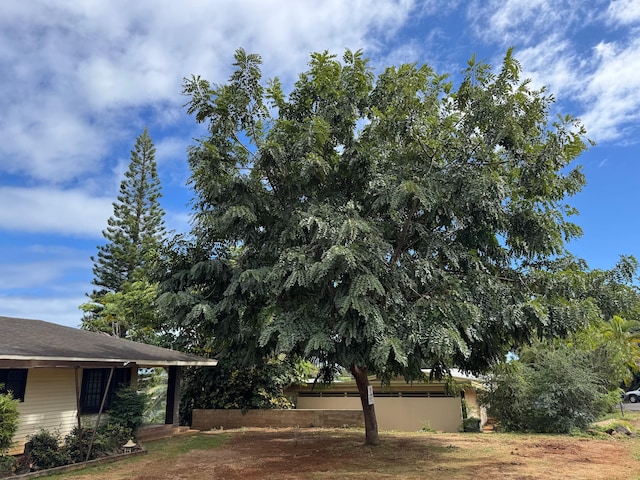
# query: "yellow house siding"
x,y
49,402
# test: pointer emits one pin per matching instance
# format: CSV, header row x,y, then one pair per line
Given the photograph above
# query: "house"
x,y
400,405
63,376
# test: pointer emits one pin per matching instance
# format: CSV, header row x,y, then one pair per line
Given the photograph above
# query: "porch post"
x,y
172,412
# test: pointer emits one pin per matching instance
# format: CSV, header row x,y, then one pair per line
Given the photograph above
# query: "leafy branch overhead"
x,y
386,223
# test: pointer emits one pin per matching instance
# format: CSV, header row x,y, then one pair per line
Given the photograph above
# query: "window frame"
x,y
94,382
17,385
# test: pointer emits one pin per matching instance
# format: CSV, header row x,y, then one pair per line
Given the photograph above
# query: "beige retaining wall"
x,y
210,419
404,414
407,414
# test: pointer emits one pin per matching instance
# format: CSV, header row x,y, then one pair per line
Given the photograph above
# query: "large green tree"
x,y
123,268
383,223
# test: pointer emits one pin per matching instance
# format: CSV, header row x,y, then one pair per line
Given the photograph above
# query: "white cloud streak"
x,y
47,210
612,91
592,77
58,309
77,68
624,12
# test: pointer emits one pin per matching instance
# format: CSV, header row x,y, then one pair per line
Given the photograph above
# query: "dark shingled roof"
x,y
39,343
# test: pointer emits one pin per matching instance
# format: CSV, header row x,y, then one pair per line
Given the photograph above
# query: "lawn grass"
x,y
158,450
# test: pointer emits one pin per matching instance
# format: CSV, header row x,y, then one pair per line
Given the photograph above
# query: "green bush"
x,y
114,436
107,440
7,464
231,386
44,450
128,408
471,424
550,390
8,421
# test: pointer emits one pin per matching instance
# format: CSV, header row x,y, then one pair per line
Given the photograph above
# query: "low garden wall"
x,y
211,419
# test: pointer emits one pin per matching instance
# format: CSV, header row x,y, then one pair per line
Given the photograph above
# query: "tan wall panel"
x,y
414,414
49,402
407,414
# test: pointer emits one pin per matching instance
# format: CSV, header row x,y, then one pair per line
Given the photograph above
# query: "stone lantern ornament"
x,y
129,447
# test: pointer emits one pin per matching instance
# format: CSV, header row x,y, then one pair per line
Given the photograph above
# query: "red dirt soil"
x,y
328,454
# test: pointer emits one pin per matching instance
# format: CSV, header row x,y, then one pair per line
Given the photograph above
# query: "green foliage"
x,y
471,424
108,440
9,418
551,389
45,451
115,436
388,223
153,384
7,463
123,303
236,387
131,310
128,408
614,344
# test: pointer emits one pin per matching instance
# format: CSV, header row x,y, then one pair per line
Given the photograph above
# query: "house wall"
x,y
49,402
398,413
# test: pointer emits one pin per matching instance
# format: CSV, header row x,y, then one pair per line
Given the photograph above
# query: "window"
x,y
13,380
94,383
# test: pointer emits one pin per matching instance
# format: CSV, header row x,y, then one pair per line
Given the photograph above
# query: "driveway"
x,y
631,407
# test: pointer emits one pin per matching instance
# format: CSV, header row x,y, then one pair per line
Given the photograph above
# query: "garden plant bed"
x,y
340,453
76,466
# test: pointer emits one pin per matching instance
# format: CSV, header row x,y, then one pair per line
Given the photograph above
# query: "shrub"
x,y
230,386
8,421
44,451
128,408
553,390
114,436
471,424
7,464
107,440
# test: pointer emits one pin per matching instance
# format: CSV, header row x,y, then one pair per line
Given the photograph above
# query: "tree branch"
x,y
404,233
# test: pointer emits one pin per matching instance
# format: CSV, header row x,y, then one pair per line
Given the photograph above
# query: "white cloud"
x,y
179,222
73,70
42,138
552,64
171,149
43,209
624,12
594,77
43,266
45,281
51,309
611,93
523,23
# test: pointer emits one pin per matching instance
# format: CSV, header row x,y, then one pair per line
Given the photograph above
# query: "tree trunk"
x,y
369,410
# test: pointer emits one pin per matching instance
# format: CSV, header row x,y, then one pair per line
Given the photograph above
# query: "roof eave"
x,y
18,361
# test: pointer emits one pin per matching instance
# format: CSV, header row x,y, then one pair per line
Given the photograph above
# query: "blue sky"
x,y
81,79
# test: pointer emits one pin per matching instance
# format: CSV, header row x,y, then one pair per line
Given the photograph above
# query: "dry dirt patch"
x,y
329,454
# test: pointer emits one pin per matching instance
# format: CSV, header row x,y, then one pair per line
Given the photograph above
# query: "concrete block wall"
x,y
210,419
